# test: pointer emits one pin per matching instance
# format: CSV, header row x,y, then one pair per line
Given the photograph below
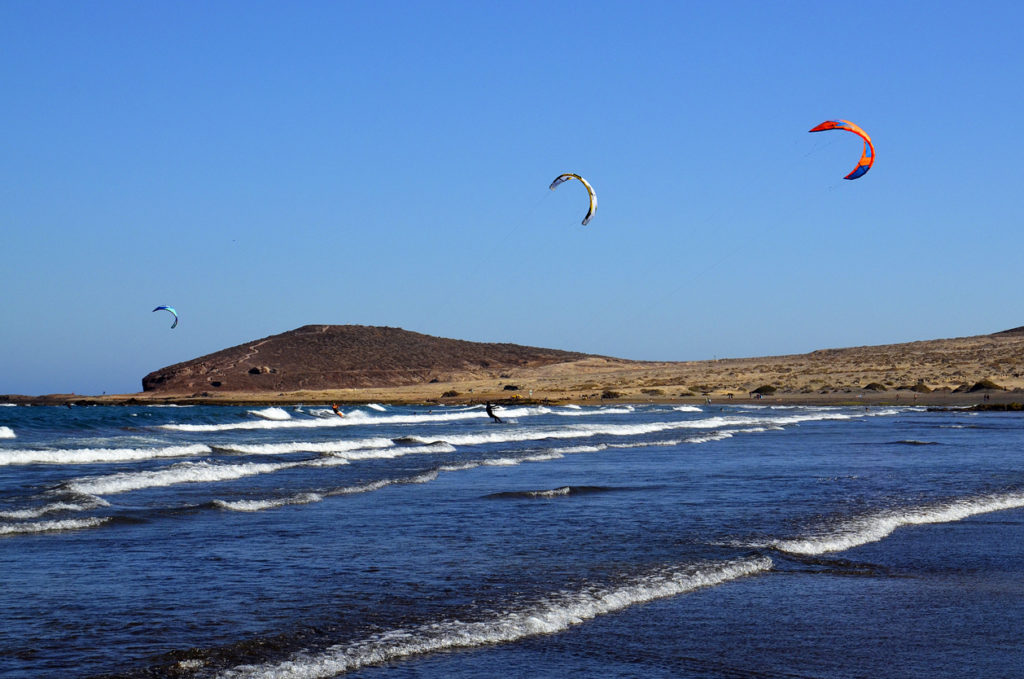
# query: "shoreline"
x,y
988,400
979,371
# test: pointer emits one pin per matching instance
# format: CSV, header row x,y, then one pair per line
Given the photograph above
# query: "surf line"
x,y
552,615
875,527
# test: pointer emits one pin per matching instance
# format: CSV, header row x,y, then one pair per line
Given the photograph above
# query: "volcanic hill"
x,y
344,357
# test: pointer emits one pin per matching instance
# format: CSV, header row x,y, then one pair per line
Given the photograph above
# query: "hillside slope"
x,y
345,357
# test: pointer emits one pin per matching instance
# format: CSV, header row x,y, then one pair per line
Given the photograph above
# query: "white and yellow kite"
x,y
593,196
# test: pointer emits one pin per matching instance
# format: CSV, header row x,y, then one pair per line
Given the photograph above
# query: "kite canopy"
x,y
867,158
593,197
173,313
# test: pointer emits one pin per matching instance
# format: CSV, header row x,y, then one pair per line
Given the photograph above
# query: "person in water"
x,y
336,411
490,412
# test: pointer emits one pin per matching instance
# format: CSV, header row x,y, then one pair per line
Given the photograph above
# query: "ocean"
x,y
598,541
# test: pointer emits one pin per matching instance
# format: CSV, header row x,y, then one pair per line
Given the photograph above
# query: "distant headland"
x,y
349,364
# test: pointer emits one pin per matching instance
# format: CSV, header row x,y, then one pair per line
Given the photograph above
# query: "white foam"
x,y
708,438
6,433
361,418
509,461
326,418
580,412
425,477
205,472
388,453
570,450
376,406
688,409
90,502
308,446
875,527
307,498
272,413
555,613
358,449
91,455
256,424
184,472
260,505
48,526
554,492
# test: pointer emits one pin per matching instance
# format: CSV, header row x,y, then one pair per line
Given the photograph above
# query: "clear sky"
x,y
266,165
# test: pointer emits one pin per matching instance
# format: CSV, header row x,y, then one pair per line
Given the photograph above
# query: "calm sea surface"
x,y
614,541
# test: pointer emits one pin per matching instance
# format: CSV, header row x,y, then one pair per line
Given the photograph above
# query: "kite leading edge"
x,y
173,313
867,158
590,190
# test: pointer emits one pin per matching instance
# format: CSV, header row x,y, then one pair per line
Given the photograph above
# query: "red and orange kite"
x,y
866,159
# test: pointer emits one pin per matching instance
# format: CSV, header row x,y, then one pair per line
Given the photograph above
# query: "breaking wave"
x,y
273,413
91,455
875,527
86,503
564,491
555,613
50,526
184,472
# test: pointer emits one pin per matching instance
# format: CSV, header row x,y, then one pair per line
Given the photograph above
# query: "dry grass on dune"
x,y
927,372
948,371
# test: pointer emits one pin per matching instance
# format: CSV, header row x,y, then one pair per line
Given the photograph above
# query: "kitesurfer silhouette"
x,y
490,412
337,412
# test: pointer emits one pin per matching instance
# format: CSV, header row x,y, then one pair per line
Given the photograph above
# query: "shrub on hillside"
x,y
985,384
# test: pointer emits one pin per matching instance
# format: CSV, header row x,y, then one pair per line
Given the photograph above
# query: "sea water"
x,y
618,541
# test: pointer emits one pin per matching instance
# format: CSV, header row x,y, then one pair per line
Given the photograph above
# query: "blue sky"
x,y
262,166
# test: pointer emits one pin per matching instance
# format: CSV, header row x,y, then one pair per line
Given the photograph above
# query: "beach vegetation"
x,y
511,387
608,394
764,390
451,393
1000,406
875,386
985,384
653,392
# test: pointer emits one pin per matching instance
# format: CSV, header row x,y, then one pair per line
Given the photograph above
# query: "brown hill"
x,y
363,364
316,357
